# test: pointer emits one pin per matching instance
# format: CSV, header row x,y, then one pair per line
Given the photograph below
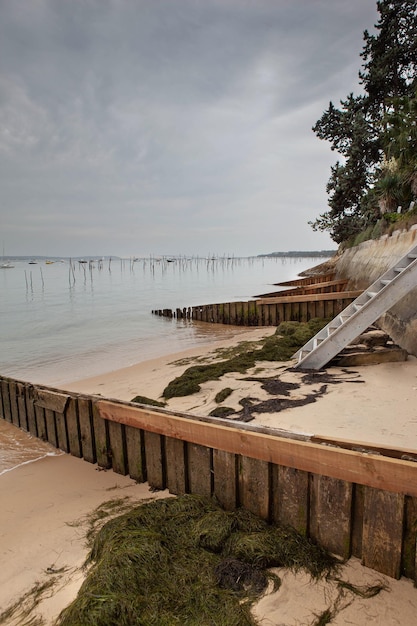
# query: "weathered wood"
x,y
102,443
357,520
313,297
199,469
408,565
254,487
73,428
117,442
155,460
135,454
41,423
307,280
61,432
394,475
21,405
14,409
86,430
225,479
52,400
176,478
330,514
51,427
382,531
30,411
290,497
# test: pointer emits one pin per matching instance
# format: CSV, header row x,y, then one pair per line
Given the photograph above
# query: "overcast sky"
x,y
137,127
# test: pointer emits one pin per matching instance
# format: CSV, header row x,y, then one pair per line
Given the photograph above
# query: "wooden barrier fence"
x,y
268,311
349,500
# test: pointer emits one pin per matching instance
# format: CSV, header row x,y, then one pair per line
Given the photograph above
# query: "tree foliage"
x,y
374,133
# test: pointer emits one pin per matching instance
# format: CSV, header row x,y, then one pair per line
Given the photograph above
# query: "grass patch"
x,y
185,560
287,339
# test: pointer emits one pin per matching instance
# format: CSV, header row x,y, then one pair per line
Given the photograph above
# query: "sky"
x,y
168,127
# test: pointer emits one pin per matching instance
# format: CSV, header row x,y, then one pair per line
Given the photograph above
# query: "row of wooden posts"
x,y
349,500
308,297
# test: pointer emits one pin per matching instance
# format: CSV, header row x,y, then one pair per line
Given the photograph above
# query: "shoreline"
x,y
371,404
46,503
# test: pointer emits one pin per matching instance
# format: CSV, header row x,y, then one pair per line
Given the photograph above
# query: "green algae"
x,y
287,339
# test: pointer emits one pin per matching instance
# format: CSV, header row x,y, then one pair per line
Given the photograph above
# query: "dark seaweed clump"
x,y
287,339
186,561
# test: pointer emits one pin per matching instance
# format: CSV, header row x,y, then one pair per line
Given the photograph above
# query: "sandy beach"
x,y
45,503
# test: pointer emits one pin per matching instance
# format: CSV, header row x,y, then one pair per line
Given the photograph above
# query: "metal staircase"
x,y
378,298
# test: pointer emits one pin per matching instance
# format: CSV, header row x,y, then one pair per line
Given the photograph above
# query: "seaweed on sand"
x,y
287,339
185,560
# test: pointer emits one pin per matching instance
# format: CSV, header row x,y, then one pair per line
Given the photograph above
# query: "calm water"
x,y
60,322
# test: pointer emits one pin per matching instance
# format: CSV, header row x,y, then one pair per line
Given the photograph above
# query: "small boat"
x,y
33,262
49,262
6,266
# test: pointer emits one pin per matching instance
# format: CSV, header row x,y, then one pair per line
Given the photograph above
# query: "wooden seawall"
x,y
350,500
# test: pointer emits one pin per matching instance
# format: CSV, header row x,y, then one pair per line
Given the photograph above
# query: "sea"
x,y
67,319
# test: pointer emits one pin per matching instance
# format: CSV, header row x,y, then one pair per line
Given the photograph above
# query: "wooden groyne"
x,y
308,297
267,311
351,500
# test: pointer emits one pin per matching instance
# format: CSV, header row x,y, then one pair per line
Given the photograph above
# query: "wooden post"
x,y
14,410
225,479
155,462
135,454
117,443
199,469
21,406
102,443
73,428
330,516
87,430
176,478
30,411
254,486
290,497
382,531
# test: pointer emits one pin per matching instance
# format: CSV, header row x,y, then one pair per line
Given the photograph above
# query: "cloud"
x,y
189,118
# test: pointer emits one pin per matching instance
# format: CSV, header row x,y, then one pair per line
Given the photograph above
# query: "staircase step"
x,y
393,285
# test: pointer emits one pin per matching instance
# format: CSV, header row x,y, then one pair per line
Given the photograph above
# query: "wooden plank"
x,y
52,400
290,497
307,280
135,454
14,409
30,411
357,520
86,430
41,423
61,432
73,428
233,314
176,479
117,441
330,514
21,405
408,564
155,460
314,297
51,427
395,475
102,443
199,469
382,531
303,312
225,479
2,416
254,488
